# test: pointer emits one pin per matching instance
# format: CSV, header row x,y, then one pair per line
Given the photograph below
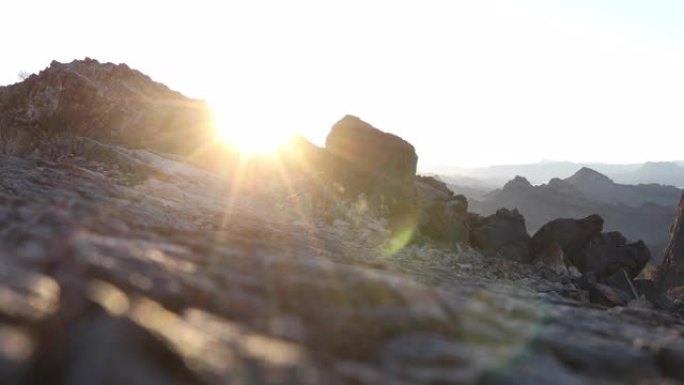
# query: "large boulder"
x,y
572,236
670,273
610,266
107,102
608,263
381,165
443,215
501,234
610,253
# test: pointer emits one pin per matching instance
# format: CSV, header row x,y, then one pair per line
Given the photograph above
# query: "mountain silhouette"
x,y
640,212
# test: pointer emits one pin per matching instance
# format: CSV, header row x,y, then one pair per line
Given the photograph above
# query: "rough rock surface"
x,y
501,234
381,165
443,215
102,101
609,253
124,266
671,272
163,281
571,235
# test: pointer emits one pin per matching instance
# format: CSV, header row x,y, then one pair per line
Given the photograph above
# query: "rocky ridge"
x,y
48,112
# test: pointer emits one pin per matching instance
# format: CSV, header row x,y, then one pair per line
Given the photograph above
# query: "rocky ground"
x,y
122,265
147,271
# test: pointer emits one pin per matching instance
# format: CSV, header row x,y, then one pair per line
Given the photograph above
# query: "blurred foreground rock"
x,y
159,276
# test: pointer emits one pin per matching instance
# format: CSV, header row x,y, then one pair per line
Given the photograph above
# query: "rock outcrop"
x,y
572,236
107,102
378,164
609,253
670,273
502,234
443,215
607,262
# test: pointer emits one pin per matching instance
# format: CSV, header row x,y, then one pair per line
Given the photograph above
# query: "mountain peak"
x,y
518,182
586,174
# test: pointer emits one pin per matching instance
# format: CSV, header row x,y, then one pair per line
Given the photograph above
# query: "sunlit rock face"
x,y
379,164
103,101
671,272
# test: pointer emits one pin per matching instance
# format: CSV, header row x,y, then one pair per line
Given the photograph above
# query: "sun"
x,y
249,134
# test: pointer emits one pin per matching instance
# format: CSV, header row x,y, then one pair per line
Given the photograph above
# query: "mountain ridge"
x,y
641,212
542,172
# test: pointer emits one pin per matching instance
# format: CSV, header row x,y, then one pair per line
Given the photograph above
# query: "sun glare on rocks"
x,y
250,134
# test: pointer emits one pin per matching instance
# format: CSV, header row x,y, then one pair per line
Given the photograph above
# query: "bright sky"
x,y
467,82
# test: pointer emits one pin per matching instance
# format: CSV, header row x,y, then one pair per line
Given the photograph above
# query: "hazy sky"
x,y
467,82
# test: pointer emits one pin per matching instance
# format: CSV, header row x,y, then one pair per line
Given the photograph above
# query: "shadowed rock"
x,y
443,215
571,235
607,261
670,273
609,253
381,165
503,234
95,348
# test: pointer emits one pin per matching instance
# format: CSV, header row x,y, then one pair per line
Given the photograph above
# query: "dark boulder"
x,y
381,165
609,253
443,215
654,294
670,273
571,235
607,261
501,234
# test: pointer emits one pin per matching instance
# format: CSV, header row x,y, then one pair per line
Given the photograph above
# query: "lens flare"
x,y
247,134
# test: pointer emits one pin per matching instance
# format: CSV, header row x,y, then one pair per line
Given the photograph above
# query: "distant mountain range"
x,y
667,173
471,188
639,211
